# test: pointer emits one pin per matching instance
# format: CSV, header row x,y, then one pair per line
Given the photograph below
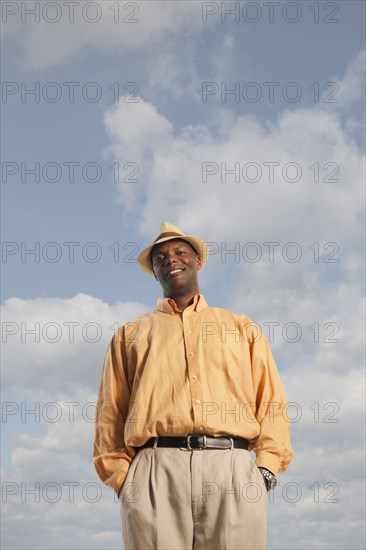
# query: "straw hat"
x,y
168,231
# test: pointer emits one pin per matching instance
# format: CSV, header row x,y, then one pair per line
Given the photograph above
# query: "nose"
x,y
170,258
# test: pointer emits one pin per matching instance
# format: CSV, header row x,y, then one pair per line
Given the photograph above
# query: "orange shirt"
x,y
205,370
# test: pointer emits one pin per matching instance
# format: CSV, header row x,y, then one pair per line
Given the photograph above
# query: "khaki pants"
x,y
175,499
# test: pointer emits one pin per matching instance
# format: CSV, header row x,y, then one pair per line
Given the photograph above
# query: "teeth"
x,y
175,271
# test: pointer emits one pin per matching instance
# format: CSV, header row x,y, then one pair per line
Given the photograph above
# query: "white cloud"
x,y
51,480
352,85
171,175
49,408
67,346
134,27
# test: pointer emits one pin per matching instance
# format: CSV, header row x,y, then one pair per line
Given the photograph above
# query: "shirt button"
x,y
198,401
172,312
194,376
189,331
191,353
201,428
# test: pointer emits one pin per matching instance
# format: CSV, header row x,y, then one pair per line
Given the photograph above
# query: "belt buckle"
x,y
189,448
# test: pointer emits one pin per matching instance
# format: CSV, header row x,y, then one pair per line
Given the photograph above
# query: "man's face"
x,y
175,265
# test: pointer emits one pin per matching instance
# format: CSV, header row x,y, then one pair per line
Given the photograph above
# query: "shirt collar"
x,y
168,305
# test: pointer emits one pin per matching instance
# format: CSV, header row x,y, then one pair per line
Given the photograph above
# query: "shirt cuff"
x,y
269,461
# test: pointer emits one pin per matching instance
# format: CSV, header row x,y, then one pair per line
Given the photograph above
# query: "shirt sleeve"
x,y
112,458
272,447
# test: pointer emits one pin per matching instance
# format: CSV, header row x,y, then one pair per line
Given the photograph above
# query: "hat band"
x,y
168,234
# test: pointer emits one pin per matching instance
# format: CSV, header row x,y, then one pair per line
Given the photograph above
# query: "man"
x,y
187,391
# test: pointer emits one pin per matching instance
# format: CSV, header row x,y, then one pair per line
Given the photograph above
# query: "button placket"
x,y
192,367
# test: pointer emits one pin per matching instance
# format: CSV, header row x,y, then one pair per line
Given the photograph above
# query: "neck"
x,y
183,299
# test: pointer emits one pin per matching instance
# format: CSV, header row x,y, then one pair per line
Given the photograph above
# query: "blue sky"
x,y
177,60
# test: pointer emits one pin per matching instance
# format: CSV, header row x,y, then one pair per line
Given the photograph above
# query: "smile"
x,y
175,272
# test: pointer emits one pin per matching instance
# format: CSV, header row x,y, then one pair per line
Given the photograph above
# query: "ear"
x,y
198,262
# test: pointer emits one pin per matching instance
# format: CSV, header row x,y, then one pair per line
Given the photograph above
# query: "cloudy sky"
x,y
241,122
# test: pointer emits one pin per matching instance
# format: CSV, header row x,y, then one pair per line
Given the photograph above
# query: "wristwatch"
x,y
269,479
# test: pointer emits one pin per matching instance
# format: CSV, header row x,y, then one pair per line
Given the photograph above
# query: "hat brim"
x,y
198,244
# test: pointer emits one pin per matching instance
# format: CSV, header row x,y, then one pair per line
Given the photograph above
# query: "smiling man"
x,y
187,391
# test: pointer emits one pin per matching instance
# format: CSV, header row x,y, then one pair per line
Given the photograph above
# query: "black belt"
x,y
198,442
